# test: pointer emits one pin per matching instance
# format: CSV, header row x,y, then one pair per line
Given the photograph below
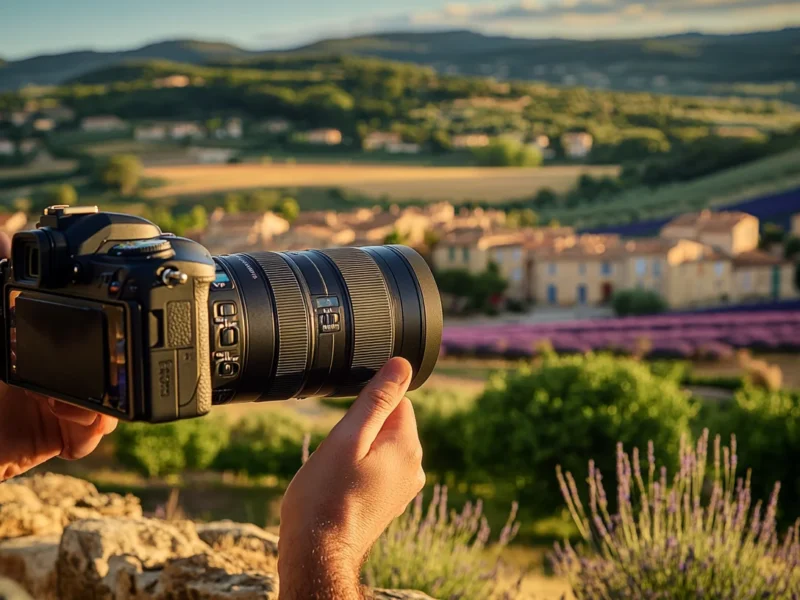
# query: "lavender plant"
x,y
443,553
693,537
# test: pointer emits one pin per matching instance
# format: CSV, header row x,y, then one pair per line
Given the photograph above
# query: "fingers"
x,y
5,245
73,414
401,424
81,429
368,414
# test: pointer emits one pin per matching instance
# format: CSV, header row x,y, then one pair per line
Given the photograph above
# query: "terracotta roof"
x,y
649,246
756,258
709,221
377,222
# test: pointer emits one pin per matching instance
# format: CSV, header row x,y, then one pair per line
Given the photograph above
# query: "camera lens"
x,y
320,322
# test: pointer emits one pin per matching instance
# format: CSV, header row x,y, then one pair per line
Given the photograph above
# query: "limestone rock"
x,y
11,591
31,562
45,504
250,543
95,553
214,577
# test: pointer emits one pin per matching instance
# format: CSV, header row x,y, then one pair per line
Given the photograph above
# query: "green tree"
x,y
63,194
22,204
638,302
395,237
122,172
263,200
565,409
506,152
289,209
199,217
233,203
792,248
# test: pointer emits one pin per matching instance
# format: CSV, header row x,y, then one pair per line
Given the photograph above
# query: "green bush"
x,y
442,418
529,421
264,445
638,302
158,450
767,425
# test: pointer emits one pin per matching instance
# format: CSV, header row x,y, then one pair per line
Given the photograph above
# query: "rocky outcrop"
x,y
65,541
45,504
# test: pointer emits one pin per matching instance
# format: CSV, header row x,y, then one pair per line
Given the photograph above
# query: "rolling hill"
x,y
691,63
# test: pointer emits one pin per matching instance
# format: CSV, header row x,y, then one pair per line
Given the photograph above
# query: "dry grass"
x,y
397,182
41,168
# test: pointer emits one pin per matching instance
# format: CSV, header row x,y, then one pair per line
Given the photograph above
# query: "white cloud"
x,y
601,18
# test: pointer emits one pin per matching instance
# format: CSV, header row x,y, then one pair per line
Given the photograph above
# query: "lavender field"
x,y
669,336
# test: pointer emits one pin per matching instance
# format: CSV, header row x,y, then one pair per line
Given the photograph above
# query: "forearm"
x,y
317,575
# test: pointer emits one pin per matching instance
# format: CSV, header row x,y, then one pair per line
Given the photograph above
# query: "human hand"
x,y
34,429
360,478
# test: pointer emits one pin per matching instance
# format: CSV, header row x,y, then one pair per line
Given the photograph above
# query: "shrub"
x,y
158,450
442,554
264,445
442,419
529,421
673,541
637,302
768,427
505,152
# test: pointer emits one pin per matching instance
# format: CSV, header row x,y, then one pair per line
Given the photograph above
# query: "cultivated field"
x,y
397,182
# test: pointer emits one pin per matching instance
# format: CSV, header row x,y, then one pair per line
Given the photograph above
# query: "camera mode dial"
x,y
140,247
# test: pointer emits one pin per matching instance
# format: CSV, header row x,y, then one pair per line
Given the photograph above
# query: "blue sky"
x,y
29,27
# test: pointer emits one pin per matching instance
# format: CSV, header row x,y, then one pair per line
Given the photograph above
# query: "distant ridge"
x,y
685,63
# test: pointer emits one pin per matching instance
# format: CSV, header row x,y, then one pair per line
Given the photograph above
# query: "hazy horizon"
x,y
255,25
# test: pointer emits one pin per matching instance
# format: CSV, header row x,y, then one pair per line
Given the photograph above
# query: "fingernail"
x,y
395,371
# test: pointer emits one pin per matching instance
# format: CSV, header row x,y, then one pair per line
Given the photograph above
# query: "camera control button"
x,y
229,337
226,309
114,288
227,369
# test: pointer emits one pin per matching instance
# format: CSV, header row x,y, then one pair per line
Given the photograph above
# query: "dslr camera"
x,y
104,311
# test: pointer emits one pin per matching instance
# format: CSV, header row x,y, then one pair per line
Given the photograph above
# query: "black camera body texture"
x,y
104,311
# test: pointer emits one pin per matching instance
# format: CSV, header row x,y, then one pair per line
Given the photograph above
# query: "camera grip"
x,y
204,390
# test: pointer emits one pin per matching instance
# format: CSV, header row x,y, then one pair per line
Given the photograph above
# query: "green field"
x,y
769,175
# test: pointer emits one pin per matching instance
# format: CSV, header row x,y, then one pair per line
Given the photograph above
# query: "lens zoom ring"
x,y
373,324
293,328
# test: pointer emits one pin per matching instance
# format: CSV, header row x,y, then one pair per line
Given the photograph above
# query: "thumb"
x,y
366,417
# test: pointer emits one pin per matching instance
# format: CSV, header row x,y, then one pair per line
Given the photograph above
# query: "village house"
x,y
410,223
315,235
103,124
19,118
322,137
231,129
731,232
172,81
150,133
208,156
7,147
379,140
186,130
273,126
228,233
44,124
577,144
60,114
469,140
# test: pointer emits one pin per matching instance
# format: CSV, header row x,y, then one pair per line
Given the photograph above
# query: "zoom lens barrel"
x,y
320,322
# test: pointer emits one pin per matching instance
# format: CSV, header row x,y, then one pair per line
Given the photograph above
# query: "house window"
x,y
656,268
606,268
719,268
498,256
451,253
465,254
582,268
641,266
551,268
516,274
552,294
581,294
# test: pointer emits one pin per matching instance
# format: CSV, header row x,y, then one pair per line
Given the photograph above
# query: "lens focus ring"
x,y
293,326
373,323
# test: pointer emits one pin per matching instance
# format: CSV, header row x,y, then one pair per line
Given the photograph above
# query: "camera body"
x,y
105,311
